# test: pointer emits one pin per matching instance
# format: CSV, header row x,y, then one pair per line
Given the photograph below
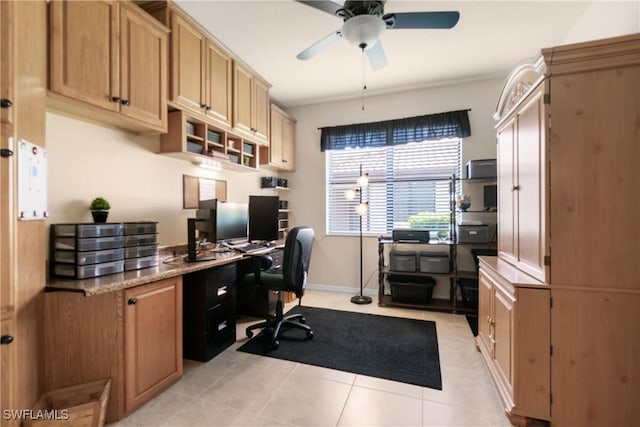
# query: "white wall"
x,y
86,160
335,259
600,20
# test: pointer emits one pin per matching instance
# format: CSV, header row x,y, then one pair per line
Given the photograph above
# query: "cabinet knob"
x,y
6,339
208,107
116,99
5,103
203,105
132,301
515,188
126,102
284,160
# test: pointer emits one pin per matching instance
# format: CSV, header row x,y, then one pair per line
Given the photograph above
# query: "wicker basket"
x,y
82,405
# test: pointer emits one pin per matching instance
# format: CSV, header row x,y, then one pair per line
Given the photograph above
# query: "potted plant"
x,y
100,209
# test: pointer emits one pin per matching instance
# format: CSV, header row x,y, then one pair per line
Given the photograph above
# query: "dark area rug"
x,y
392,348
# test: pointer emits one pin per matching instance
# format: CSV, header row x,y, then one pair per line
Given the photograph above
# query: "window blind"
x,y
407,183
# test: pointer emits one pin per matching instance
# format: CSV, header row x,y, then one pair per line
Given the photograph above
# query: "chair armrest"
x,y
265,260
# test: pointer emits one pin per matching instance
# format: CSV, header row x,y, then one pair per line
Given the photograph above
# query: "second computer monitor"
x,y
263,218
232,221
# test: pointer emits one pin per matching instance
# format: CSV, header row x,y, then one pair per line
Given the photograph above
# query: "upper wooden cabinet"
x,y
522,186
251,104
201,71
111,56
7,82
281,150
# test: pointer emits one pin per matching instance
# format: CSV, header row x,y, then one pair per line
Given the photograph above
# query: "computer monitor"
x,y
232,220
263,218
490,197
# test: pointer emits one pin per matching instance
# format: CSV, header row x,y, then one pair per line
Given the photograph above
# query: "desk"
x,y
119,325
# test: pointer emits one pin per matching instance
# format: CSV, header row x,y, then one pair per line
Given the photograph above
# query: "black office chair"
x,y
291,277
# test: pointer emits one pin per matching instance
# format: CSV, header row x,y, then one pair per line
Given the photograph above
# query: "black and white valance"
x,y
452,124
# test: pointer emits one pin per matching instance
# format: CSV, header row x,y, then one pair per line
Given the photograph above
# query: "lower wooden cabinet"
x,y
514,337
132,336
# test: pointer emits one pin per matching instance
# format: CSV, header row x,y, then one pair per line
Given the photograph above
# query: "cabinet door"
x,y
288,144
153,339
503,316
83,62
187,64
276,143
143,65
531,186
485,312
260,107
7,64
219,84
506,195
242,96
8,369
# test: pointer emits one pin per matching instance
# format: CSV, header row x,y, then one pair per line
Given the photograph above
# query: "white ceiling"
x,y
488,41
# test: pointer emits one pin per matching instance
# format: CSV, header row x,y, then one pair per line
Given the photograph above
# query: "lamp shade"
x,y
363,180
350,194
362,208
363,30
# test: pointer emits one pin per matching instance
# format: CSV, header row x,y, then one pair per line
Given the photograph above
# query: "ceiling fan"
x,y
364,22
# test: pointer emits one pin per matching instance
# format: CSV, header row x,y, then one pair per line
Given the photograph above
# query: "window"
x,y
407,183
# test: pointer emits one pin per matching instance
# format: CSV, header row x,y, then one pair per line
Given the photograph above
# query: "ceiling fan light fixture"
x,y
363,30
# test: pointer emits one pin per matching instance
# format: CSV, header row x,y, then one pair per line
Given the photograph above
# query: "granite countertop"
x,y
168,266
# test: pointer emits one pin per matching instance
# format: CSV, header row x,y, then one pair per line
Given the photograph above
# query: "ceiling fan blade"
x,y
320,45
323,5
421,20
377,58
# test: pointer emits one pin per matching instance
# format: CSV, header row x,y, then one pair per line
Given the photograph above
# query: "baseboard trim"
x,y
342,289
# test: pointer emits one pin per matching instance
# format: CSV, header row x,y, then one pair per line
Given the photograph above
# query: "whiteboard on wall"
x,y
32,181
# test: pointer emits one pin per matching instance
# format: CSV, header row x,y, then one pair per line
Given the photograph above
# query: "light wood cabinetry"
x,y
251,104
152,339
201,71
108,63
513,335
205,144
132,336
281,150
522,183
574,109
7,82
23,72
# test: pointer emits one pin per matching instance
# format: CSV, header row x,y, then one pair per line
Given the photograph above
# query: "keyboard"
x,y
248,247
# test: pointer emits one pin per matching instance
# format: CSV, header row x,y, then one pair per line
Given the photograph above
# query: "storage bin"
x,y
469,292
402,260
434,262
92,257
87,271
87,230
248,148
412,289
82,405
473,234
147,227
91,244
140,240
142,262
194,147
213,136
483,168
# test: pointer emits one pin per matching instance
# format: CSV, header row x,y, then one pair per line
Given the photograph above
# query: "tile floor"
x,y
240,389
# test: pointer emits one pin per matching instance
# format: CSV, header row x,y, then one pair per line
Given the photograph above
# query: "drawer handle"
x,y
222,290
6,339
5,103
132,301
222,325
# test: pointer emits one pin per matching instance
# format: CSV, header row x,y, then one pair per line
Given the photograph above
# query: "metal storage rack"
x,y
451,304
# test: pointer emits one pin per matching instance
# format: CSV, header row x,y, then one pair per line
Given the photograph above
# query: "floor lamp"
x,y
361,210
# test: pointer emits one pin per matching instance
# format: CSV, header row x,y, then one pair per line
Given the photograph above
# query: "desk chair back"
x,y
296,259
